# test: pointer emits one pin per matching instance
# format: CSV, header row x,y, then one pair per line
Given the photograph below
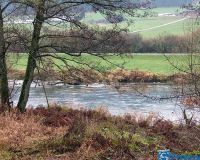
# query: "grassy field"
x,y
167,10
137,24
156,63
178,28
98,20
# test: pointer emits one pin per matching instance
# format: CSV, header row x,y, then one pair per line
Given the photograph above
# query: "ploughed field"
x,y
156,63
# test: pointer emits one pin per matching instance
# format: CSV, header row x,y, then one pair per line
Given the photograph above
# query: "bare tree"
x,y
188,68
5,12
48,33
12,38
3,68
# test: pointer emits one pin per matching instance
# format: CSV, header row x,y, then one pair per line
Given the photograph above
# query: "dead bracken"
x,y
64,133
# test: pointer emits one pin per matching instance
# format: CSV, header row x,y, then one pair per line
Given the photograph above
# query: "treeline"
x,y
109,42
162,44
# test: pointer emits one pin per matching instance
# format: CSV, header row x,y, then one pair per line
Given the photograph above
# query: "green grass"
x,y
98,20
146,62
178,28
167,10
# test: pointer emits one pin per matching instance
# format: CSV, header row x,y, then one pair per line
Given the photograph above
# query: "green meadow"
x,y
155,63
176,28
148,24
167,10
145,23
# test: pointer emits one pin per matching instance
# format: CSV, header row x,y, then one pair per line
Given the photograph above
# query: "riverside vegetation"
x,y
58,133
125,68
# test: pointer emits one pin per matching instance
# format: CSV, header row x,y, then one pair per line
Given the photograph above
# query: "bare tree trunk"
x,y
31,66
4,89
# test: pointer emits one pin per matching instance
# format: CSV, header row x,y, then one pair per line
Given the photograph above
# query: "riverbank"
x,y
89,76
58,133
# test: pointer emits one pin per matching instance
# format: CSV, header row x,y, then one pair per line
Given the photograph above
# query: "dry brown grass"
x,y
21,130
69,134
16,74
122,75
88,76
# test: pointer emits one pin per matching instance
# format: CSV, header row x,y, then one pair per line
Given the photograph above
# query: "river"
x,y
117,100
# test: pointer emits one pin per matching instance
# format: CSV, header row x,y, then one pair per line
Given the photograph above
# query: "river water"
x,y
128,98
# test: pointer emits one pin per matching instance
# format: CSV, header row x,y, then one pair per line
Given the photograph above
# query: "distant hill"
x,y
171,3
